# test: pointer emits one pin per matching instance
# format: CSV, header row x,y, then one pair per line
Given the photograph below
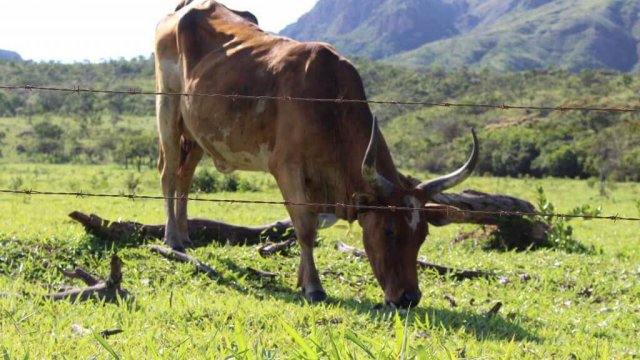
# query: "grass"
x,y
577,305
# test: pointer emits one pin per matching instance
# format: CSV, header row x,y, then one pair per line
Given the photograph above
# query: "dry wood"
x,y
271,248
200,266
261,273
474,207
200,230
486,209
108,290
183,257
441,270
494,310
83,275
107,333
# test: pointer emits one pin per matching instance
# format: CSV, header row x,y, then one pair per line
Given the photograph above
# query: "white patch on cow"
x,y
225,132
242,160
412,202
326,220
261,106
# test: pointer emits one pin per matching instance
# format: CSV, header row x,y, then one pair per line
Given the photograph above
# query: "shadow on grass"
x,y
244,281
477,324
483,327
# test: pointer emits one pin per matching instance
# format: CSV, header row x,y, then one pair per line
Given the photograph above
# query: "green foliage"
x,y
16,183
208,181
121,129
131,183
560,235
513,143
573,305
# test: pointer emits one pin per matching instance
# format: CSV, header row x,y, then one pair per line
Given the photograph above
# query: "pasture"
x,y
555,304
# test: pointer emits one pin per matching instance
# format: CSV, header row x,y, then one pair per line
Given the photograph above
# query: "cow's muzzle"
x,y
407,300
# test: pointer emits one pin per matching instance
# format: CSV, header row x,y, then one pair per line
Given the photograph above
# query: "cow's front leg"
x,y
290,179
305,224
190,155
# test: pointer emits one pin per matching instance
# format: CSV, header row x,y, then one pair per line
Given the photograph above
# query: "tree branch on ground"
x,y
108,290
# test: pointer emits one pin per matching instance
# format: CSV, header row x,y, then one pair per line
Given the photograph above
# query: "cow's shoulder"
x,y
209,27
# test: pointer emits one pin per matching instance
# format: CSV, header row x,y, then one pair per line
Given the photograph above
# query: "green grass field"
x,y
575,305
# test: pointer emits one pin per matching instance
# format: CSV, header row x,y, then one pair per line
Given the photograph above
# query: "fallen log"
x,y
201,231
271,248
108,290
439,269
468,207
506,229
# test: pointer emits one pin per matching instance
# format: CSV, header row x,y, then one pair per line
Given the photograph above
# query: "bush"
x,y
560,235
209,181
132,182
229,183
563,162
205,181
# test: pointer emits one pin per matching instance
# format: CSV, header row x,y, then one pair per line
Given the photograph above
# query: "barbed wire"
x,y
233,97
80,194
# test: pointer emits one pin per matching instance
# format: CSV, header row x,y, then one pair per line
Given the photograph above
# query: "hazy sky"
x,y
78,30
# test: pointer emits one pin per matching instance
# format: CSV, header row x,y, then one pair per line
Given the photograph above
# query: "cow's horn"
x,y
432,187
370,173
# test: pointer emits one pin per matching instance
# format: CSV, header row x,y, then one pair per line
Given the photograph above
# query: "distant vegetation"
x,y
90,128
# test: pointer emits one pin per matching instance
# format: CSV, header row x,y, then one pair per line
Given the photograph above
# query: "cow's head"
x,y
392,239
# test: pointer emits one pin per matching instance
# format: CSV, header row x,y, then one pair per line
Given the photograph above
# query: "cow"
x,y
324,153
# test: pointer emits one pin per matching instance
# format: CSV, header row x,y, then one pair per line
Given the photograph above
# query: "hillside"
x,y
63,127
502,35
9,55
379,29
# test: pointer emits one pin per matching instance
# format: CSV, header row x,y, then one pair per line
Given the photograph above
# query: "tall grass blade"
x,y
106,345
351,336
311,354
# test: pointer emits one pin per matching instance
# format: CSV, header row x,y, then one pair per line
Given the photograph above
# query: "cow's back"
x,y
222,54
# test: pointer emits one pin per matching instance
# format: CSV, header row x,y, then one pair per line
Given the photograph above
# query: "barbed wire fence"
x,y
233,97
81,194
134,91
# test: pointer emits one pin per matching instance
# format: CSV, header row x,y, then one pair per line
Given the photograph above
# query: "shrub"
x,y
132,182
205,181
209,181
229,183
560,235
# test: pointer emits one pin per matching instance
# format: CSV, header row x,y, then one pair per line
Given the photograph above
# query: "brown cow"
x,y
318,152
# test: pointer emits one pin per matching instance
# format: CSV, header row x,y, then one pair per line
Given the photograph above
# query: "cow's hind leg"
x,y
169,129
190,155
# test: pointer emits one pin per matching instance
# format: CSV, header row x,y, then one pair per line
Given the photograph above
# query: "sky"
x,y
79,30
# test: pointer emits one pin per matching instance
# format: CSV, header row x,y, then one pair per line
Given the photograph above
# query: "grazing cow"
x,y
318,152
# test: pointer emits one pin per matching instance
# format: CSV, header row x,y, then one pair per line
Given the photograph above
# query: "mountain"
x,y
376,28
494,34
9,55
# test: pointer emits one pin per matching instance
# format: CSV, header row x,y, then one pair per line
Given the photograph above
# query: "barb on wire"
x,y
234,97
133,197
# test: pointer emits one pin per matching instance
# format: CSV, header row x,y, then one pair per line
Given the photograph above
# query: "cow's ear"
x,y
364,199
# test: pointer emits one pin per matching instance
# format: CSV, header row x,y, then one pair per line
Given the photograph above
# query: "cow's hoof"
x,y
316,296
188,244
181,249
